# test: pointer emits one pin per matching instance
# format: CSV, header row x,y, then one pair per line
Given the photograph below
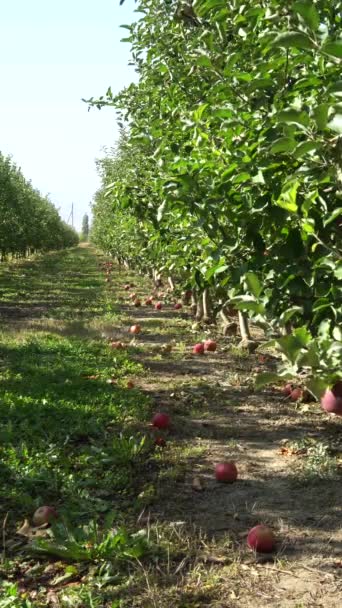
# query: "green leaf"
x,y
336,123
283,144
247,303
288,198
308,12
336,88
199,111
267,378
253,283
333,48
333,216
293,116
289,313
321,115
160,211
304,148
317,387
338,273
293,40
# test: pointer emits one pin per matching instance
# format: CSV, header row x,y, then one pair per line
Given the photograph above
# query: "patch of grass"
x,y
315,460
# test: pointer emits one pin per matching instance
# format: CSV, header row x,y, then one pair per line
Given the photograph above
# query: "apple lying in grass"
x,y
127,287
44,515
261,539
287,390
135,329
161,420
158,306
210,346
160,441
137,302
198,349
296,394
148,302
117,345
130,384
133,296
331,401
177,306
226,472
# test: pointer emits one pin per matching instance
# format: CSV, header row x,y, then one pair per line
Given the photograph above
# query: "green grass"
x,y
68,438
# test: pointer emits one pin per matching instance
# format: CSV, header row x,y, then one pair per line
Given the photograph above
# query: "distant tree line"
x,y
29,222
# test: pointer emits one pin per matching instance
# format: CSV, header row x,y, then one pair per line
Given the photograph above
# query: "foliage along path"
x,y
141,525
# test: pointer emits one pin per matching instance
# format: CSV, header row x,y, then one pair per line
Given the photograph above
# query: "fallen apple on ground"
x,y
331,401
161,420
137,302
130,384
117,345
135,329
177,306
296,394
160,441
127,287
198,349
261,539
287,390
148,302
44,515
226,472
210,346
158,306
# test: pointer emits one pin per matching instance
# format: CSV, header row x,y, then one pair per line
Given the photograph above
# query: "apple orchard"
x,y
227,178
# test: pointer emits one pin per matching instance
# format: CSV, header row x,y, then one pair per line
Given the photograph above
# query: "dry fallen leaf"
x,y
25,529
197,484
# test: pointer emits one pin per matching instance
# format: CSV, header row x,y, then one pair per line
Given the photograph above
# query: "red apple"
x,y
226,472
287,390
133,296
126,287
160,441
210,345
261,539
117,345
158,306
135,329
161,421
296,394
137,302
198,349
331,401
148,302
130,384
44,515
177,306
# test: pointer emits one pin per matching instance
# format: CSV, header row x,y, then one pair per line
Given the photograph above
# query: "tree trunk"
x,y
243,324
207,308
199,309
171,283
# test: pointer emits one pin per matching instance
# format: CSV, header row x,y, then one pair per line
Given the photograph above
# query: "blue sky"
x,y
53,53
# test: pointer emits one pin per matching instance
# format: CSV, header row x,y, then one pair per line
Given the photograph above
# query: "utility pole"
x,y
71,216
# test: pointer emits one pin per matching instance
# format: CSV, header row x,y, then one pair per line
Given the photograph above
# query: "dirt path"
x,y
56,315
217,416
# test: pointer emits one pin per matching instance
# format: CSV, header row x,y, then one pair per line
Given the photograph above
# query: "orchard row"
x,y
29,221
226,180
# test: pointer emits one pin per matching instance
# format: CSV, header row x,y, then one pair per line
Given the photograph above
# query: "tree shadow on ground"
x,y
233,424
